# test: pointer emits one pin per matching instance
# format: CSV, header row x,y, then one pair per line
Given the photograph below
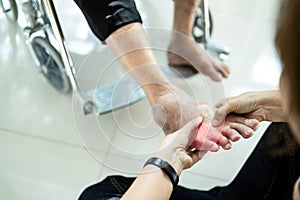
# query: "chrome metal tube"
x,y
205,21
2,6
30,14
66,58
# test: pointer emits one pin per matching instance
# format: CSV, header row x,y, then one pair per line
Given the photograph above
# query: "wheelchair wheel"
x,y
51,64
198,29
9,7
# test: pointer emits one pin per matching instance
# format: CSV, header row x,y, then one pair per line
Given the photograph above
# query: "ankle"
x,y
187,4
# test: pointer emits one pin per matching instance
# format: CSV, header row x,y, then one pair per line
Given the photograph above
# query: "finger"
x,y
251,123
190,130
196,155
223,111
224,143
243,130
221,103
231,134
191,126
204,144
201,154
208,145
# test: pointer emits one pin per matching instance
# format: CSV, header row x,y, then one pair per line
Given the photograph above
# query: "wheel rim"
x,y
198,29
50,67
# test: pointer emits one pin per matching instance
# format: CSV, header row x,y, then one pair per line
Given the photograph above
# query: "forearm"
x,y
151,184
130,45
260,105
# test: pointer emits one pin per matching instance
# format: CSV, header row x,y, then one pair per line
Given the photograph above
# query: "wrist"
x,y
173,159
272,106
166,167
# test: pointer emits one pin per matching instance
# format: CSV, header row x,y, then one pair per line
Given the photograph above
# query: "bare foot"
x,y
174,109
186,53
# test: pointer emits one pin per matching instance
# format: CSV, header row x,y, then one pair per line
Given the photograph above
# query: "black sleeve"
x,y
106,16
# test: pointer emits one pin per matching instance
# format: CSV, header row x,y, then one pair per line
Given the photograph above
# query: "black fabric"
x,y
106,16
268,174
110,187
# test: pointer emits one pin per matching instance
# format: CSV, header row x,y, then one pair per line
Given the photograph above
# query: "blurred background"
x,y
49,150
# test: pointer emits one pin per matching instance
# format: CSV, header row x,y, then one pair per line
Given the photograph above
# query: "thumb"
x,y
191,126
223,111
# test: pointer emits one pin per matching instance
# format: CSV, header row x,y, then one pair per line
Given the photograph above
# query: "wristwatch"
x,y
166,167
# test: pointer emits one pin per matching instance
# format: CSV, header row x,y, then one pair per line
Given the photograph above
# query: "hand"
x,y
174,108
262,106
175,148
234,126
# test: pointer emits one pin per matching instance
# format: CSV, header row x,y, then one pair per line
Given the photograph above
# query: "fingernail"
x,y
227,146
248,132
215,147
250,122
215,122
236,137
199,119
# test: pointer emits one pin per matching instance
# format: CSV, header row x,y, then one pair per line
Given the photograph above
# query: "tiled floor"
x,y
49,150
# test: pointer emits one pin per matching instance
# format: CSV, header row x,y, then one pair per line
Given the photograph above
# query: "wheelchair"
x,y
48,48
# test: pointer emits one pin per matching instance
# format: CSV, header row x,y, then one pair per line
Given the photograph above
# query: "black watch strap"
x,y
166,167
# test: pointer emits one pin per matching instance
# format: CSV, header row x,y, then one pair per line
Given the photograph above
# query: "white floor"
x,y
49,150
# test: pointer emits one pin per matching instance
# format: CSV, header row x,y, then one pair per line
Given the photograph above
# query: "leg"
x,y
191,58
118,23
269,173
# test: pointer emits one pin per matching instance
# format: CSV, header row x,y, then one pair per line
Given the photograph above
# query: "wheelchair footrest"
x,y
115,96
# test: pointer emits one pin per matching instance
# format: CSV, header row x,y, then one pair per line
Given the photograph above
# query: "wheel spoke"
x,y
56,81
51,62
48,61
54,71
